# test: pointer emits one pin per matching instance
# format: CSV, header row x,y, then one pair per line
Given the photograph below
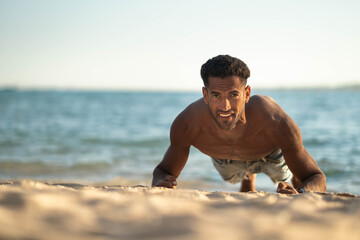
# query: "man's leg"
x,y
248,183
277,169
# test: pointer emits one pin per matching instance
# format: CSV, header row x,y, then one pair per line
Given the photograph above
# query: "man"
x,y
243,135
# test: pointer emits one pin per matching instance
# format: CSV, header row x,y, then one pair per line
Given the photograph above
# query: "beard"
x,y
225,123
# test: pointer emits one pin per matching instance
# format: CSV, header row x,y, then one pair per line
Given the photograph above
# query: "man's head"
x,y
224,66
225,90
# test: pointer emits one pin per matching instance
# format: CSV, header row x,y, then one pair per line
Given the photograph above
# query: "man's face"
x,y
226,98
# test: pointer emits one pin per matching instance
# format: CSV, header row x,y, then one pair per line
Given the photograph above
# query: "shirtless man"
x,y
243,135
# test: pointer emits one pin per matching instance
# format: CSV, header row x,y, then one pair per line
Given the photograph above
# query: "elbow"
x,y
320,182
315,182
323,181
157,171
156,174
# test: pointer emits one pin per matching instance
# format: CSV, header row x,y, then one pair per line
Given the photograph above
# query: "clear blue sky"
x,y
150,45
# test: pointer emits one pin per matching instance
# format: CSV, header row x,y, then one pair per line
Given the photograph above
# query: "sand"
x,y
38,210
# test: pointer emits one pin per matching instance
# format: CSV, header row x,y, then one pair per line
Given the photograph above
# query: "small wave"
x,y
333,169
315,142
59,150
334,172
9,143
355,151
126,143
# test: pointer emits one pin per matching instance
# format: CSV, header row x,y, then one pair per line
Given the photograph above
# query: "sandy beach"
x,y
38,210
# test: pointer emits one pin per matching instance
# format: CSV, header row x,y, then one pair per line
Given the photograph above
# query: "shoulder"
x,y
265,103
265,108
186,126
278,125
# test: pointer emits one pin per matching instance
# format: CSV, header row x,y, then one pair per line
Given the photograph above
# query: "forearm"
x,y
315,183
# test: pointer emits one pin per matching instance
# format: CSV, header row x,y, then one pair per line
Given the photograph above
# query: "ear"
x,y
247,93
205,95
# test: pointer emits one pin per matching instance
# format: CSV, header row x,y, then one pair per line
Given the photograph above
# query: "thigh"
x,y
276,168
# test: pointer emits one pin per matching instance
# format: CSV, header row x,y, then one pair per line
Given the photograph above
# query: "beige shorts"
x,y
273,165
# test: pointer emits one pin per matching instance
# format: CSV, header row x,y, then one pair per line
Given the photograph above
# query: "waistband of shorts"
x,y
275,155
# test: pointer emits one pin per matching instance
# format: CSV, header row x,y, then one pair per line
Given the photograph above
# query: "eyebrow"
x,y
212,92
234,91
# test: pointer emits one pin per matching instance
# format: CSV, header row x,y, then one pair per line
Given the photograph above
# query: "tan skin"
x,y
229,124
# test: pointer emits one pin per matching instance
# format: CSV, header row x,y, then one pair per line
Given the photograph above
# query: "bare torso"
x,y
245,142
264,129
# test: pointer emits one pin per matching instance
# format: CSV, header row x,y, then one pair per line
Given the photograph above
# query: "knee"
x,y
250,176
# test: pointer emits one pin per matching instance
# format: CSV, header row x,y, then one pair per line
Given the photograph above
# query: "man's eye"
x,y
234,95
216,95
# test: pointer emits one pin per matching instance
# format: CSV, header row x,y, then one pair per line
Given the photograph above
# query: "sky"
x,y
161,45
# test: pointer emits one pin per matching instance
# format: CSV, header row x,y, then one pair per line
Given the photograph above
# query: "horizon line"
x,y
80,89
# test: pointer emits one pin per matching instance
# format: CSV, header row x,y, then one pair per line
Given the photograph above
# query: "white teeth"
x,y
225,115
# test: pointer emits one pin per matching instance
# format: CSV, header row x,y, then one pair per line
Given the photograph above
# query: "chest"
x,y
249,146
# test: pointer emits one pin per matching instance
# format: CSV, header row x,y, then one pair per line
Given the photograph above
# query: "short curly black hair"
x,y
224,66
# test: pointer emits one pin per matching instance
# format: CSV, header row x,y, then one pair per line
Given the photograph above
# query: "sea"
x,y
99,136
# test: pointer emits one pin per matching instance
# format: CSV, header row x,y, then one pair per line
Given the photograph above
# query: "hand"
x,y
169,182
286,188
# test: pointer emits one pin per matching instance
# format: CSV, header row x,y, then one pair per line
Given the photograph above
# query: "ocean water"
x,y
99,136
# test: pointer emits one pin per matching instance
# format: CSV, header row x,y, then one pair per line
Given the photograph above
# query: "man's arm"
x,y
169,169
176,156
305,170
286,134
300,162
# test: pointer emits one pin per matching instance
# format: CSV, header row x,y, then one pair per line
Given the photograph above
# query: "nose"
x,y
225,105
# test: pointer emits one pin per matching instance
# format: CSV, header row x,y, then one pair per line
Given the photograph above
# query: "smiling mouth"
x,y
225,115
